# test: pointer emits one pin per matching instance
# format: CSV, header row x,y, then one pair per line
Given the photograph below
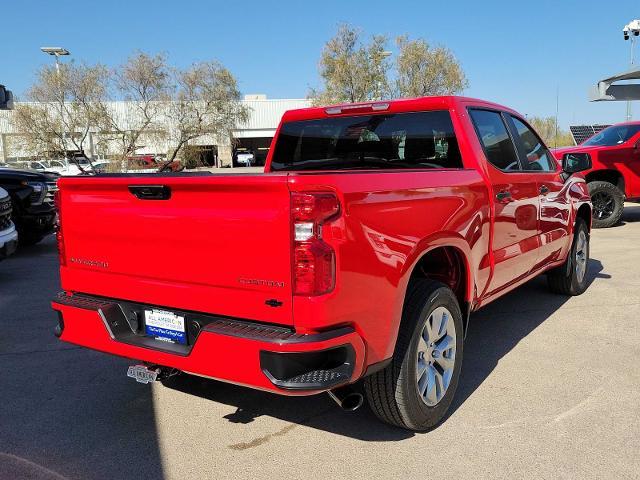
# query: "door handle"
x,y
151,192
544,190
503,196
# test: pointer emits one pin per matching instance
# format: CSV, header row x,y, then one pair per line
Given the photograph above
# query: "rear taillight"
x,y
59,236
314,260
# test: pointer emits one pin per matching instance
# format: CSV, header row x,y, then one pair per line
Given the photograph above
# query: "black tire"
x,y
608,204
566,279
29,240
393,393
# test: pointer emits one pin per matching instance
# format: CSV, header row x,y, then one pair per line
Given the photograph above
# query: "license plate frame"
x,y
165,326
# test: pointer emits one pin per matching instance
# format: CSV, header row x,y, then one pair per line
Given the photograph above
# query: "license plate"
x,y
165,326
142,374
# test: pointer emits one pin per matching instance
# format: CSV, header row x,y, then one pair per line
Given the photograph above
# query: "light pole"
x,y
56,52
381,55
630,32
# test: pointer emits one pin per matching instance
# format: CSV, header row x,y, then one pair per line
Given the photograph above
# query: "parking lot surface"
x,y
550,388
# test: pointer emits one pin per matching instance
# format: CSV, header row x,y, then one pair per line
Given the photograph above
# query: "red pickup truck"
x,y
615,174
359,254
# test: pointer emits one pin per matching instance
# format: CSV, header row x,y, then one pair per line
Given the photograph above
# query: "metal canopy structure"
x,y
607,90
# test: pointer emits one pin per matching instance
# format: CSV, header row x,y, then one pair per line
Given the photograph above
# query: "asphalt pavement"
x,y
550,389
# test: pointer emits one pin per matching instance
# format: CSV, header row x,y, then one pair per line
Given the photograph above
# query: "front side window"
x,y
538,158
614,135
385,141
495,139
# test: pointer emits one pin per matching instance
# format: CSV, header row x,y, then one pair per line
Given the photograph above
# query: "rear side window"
x,y
495,139
385,141
537,157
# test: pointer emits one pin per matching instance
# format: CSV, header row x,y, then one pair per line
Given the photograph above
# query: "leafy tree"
x,y
145,82
178,105
63,106
206,101
352,70
552,136
424,70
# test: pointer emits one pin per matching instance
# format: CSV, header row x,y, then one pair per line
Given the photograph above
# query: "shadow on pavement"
x,y
630,214
495,330
68,412
65,412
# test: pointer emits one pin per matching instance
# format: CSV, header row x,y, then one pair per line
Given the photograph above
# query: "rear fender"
x,y
439,239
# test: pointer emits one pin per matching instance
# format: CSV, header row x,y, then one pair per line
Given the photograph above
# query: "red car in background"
x,y
615,173
149,162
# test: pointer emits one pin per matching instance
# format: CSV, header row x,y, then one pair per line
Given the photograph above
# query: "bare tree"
x,y
64,107
179,106
425,70
206,102
352,70
144,81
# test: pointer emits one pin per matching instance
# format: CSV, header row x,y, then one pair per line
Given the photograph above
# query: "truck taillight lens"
x,y
59,236
314,268
314,260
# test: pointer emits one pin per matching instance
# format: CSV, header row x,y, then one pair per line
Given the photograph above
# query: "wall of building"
x,y
264,117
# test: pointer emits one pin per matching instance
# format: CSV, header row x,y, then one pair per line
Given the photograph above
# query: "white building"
x,y
254,136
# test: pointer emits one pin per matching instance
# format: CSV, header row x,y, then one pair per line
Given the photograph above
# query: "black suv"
x,y
34,212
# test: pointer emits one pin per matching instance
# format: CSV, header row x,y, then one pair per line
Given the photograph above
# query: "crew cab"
x,y
359,255
615,173
33,209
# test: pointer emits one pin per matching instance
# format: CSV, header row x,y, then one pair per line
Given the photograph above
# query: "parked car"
x,y
8,232
245,159
615,175
33,209
378,229
39,166
76,167
142,161
65,167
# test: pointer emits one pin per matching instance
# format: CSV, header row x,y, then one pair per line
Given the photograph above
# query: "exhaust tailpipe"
x,y
347,398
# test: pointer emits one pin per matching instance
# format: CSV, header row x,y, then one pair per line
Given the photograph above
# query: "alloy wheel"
x,y
581,255
603,205
436,356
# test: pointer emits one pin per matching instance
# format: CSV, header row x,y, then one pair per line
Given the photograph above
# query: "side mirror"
x,y
576,162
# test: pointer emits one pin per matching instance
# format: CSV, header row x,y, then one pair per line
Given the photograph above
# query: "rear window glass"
x,y
387,141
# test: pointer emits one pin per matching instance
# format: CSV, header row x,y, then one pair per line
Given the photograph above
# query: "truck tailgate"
x,y
220,244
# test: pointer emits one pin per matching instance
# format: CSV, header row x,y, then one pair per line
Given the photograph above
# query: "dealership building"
x,y
253,136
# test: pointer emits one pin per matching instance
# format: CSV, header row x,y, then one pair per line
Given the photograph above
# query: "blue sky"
x,y
514,52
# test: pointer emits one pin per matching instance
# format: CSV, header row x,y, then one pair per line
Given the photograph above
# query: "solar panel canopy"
x,y
581,132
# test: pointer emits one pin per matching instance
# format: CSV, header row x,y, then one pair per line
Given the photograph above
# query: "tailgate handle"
x,y
151,192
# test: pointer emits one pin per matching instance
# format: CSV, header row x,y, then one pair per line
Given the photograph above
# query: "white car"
x,y
67,168
245,158
8,233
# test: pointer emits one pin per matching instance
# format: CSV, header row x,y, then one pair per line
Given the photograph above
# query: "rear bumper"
x,y
260,356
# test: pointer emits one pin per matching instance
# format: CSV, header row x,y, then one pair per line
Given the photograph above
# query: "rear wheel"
x,y
608,204
416,389
571,277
